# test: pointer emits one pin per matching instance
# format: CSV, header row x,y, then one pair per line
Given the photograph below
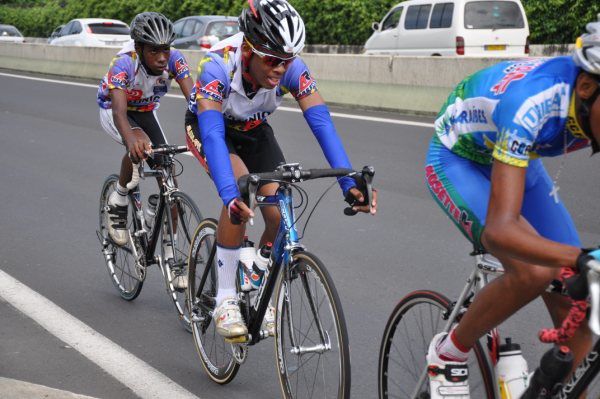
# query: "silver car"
x,y
201,32
93,32
9,33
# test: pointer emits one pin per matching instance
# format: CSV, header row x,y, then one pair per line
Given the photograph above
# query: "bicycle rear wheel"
x,y
215,354
187,219
411,326
126,276
311,340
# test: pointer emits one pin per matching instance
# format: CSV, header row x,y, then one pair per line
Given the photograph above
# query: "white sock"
x,y
227,261
449,350
120,196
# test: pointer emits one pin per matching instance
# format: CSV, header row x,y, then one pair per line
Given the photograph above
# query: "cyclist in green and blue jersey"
x,y
484,170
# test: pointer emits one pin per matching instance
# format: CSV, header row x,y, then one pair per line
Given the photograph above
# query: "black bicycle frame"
x,y
583,375
148,241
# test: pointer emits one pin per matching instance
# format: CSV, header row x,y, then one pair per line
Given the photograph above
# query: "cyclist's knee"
x,y
272,217
533,277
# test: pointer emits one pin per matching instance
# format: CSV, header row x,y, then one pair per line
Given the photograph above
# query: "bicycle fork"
x,y
324,335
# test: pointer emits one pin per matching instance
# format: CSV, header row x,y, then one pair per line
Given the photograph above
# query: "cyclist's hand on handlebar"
x,y
238,211
138,145
356,199
585,256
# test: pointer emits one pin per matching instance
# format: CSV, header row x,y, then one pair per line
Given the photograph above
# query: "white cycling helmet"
x,y
273,25
587,49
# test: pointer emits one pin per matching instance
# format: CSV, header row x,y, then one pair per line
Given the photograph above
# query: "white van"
x,y
483,28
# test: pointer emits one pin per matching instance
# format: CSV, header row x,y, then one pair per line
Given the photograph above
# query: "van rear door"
x,y
495,28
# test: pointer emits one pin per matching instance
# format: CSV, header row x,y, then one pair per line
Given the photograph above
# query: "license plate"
x,y
495,47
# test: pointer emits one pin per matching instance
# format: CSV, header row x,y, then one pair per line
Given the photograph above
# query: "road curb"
x,y
16,389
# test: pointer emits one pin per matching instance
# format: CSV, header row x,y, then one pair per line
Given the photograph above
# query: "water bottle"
x,y
554,367
247,257
150,210
512,373
262,257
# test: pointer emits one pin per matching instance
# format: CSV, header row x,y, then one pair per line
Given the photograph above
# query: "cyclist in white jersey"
x,y
240,82
129,96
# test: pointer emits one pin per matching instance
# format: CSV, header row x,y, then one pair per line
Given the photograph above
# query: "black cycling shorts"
x,y
149,124
257,148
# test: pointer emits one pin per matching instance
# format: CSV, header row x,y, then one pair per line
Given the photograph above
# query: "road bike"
x,y
127,264
402,368
311,340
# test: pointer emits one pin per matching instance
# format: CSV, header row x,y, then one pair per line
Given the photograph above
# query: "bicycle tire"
x,y
119,260
188,218
429,308
298,285
215,354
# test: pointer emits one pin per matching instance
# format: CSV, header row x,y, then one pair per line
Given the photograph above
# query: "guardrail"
x,y
416,85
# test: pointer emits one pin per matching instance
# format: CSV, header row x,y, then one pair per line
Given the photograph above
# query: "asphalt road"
x,y
54,159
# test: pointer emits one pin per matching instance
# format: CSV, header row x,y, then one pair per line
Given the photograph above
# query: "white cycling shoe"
x,y
116,219
179,278
446,379
269,320
229,321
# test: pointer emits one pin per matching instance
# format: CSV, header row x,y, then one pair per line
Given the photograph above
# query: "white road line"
x,y
287,109
141,378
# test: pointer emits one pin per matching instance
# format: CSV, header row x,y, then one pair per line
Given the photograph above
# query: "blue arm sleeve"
x,y
320,123
212,133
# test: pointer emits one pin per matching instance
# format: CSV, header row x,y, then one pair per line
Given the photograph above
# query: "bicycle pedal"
x,y
242,339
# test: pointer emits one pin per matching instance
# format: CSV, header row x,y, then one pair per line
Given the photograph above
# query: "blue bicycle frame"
x,y
286,242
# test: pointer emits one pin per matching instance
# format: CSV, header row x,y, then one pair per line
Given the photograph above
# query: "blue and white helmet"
x,y
587,49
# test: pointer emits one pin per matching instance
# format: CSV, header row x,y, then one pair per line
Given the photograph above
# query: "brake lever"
x,y
593,276
253,181
368,172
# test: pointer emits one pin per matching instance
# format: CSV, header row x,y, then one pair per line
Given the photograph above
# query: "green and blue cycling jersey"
x,y
514,112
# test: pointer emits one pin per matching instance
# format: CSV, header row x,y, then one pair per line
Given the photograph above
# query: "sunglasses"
x,y
271,60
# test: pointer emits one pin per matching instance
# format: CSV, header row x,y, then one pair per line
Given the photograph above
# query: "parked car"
x,y
93,32
55,33
9,33
201,32
489,28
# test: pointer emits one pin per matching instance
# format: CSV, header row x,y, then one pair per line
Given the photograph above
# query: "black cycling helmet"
x,y
273,25
152,28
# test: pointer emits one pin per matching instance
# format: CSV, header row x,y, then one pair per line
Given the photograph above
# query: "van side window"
x,y
417,17
441,17
392,20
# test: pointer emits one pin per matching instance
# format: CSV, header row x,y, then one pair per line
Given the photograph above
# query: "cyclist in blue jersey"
x,y
483,169
241,81
129,96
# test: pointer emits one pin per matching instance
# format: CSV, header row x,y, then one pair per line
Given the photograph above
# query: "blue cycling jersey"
x,y
513,111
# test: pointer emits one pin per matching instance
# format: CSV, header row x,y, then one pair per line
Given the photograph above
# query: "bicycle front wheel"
x,y
311,340
176,239
402,356
215,354
125,274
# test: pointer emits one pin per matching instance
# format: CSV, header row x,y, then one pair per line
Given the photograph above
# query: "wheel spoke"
x,y
309,318
213,351
402,362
